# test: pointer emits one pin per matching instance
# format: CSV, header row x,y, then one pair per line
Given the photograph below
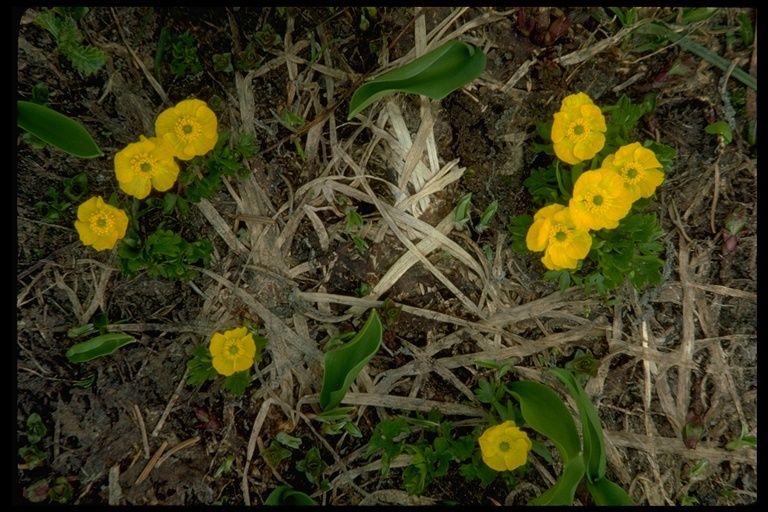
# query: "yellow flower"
x,y
577,131
99,224
190,127
638,168
146,164
233,351
600,200
504,446
554,232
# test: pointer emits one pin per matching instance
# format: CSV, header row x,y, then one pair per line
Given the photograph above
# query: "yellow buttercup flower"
x,y
233,351
600,200
554,232
638,167
191,128
100,225
504,446
578,129
146,164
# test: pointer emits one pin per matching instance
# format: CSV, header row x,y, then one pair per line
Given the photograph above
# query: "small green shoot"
x,y
183,56
312,466
485,218
743,440
722,129
461,216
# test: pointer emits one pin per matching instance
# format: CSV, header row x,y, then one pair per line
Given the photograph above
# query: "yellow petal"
x,y
217,344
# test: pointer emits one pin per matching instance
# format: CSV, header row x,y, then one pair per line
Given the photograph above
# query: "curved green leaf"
x,y
286,495
546,413
344,363
563,491
56,129
96,347
435,74
606,492
592,430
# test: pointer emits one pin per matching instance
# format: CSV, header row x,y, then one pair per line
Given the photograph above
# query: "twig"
x,y
180,446
257,424
143,429
168,407
155,84
151,464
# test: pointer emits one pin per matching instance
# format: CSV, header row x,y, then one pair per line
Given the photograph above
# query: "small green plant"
x,y
343,364
743,440
163,253
313,467
59,205
61,22
183,55
51,488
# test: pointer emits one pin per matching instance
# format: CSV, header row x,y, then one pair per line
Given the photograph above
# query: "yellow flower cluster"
x,y
601,197
233,351
504,446
184,131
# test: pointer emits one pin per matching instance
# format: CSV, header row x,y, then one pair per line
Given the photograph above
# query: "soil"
x,y
685,347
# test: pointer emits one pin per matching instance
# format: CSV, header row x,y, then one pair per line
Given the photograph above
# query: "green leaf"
x,y
720,128
86,59
344,363
594,447
565,488
56,129
545,412
606,492
286,495
436,74
96,347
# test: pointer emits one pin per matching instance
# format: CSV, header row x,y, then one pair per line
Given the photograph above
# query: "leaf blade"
x,y
56,129
435,74
97,347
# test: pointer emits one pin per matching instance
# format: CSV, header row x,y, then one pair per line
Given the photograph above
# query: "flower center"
x,y
504,446
233,349
595,200
578,130
559,235
632,173
101,223
188,129
144,165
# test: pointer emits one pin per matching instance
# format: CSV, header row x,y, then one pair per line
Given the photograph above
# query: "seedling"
x,y
183,56
485,218
461,217
313,467
60,208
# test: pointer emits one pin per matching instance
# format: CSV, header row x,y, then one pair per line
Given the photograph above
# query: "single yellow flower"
x,y
233,351
578,128
638,167
554,232
99,224
600,200
146,164
191,128
504,446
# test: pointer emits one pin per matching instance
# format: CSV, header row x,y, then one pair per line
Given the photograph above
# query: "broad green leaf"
x,y
286,495
606,492
96,347
344,363
592,430
56,129
435,74
565,488
546,413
